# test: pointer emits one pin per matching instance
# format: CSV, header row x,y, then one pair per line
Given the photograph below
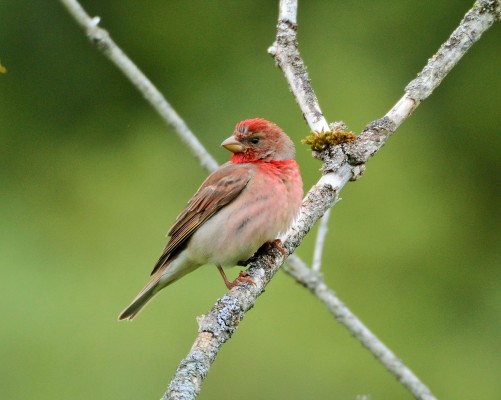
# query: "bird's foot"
x,y
277,244
242,277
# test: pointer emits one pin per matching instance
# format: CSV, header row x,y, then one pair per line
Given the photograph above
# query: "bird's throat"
x,y
243,157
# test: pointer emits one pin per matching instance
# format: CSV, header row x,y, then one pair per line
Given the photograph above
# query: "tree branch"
x,y
341,163
103,41
476,21
314,282
286,54
319,242
216,327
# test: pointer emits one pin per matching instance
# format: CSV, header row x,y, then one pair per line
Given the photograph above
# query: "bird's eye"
x,y
255,140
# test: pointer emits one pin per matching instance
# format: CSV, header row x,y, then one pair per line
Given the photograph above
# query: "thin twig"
x,y
341,163
103,41
319,243
285,52
316,285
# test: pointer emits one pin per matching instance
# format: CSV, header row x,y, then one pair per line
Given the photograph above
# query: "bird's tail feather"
x,y
138,303
157,282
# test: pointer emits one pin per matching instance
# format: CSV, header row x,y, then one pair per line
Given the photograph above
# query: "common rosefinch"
x,y
244,204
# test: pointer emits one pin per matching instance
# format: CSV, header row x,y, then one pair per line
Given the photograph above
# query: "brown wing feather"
x,y
218,190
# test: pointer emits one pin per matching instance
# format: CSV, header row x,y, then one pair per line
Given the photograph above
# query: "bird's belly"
x,y
237,231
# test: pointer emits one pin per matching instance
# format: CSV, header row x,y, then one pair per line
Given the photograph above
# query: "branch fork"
x,y
343,162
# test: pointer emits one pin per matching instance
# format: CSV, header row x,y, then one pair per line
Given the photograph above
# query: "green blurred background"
x,y
91,179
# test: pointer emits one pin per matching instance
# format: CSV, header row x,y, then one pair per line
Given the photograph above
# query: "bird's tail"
x,y
157,282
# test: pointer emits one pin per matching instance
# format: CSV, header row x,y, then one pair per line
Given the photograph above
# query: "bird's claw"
x,y
277,244
242,277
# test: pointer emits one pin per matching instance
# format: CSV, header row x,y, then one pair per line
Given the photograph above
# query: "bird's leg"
x,y
225,279
242,277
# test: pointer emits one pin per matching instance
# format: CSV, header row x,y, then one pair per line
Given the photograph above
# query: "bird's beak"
x,y
233,145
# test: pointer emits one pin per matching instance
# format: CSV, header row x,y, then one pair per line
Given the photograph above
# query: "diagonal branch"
x,y
314,282
105,43
286,54
341,163
476,21
216,327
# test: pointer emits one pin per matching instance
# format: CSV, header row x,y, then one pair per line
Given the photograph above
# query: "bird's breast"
x,y
265,208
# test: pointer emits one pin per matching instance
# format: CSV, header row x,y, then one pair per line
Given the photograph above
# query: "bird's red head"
x,y
258,139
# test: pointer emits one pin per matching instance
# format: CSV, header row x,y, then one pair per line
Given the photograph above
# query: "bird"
x,y
244,204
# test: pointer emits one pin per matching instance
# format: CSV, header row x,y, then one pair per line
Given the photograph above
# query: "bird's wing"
x,y
217,191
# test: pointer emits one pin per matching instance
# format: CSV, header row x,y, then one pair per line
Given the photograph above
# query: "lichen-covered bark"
x,y
341,163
